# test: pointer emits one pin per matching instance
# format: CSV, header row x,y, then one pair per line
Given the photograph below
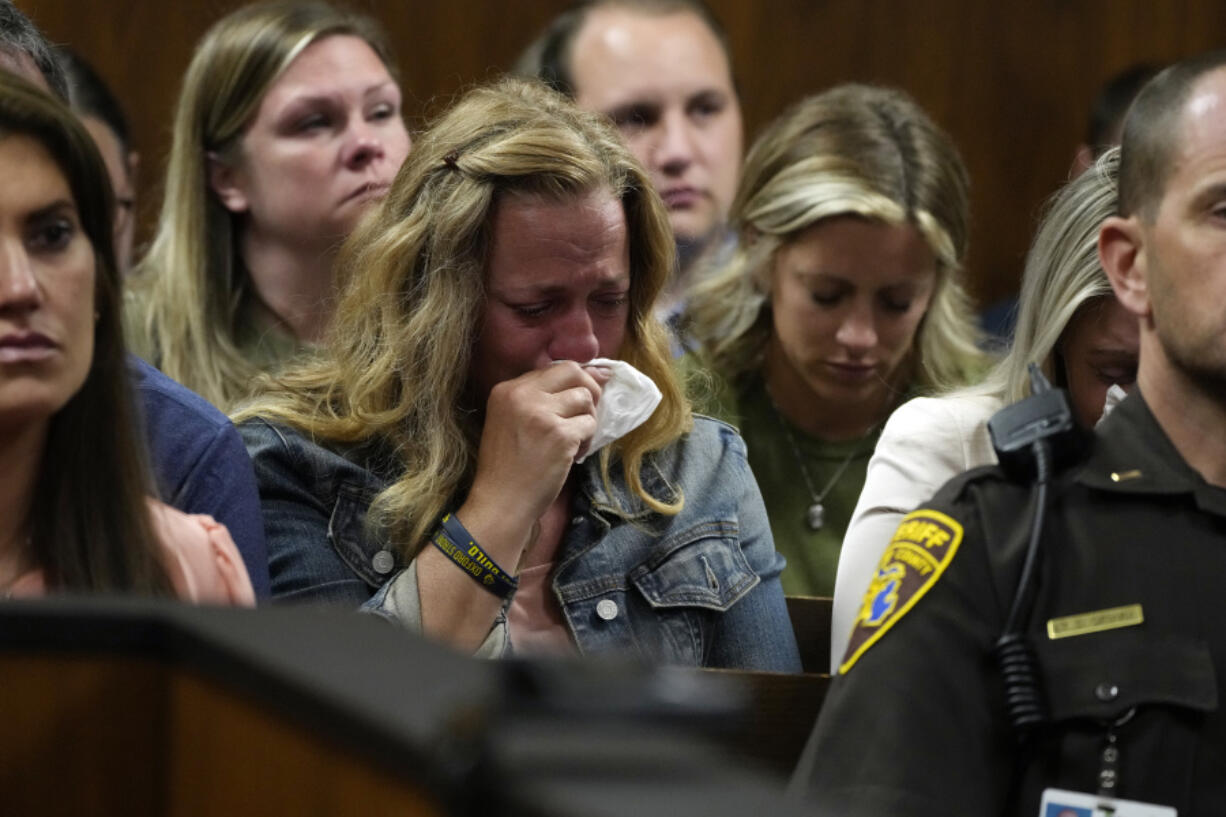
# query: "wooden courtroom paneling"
x,y
114,735
1010,81
259,764
81,736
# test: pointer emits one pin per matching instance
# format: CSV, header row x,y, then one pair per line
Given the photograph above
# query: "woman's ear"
x,y
227,183
1121,251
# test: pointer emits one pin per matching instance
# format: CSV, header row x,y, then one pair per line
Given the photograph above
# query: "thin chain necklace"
x,y
815,516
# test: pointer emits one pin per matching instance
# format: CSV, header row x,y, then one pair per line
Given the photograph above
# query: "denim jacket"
x,y
700,588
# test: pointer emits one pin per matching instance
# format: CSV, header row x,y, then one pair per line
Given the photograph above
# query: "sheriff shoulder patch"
x,y
921,549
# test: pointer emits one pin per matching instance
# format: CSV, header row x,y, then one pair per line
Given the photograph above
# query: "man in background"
x,y
661,70
1104,128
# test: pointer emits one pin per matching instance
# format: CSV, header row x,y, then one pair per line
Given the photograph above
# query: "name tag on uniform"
x,y
1096,622
1061,803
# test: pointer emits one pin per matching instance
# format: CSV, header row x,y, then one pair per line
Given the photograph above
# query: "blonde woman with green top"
x,y
842,297
288,128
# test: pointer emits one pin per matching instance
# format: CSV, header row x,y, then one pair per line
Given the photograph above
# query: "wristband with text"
x,y
454,540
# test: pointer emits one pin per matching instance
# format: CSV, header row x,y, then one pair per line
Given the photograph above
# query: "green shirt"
x,y
265,344
813,556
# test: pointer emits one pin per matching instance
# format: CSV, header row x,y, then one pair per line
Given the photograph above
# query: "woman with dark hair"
x,y
75,512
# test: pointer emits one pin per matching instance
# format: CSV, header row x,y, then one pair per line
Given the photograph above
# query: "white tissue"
x,y
626,401
1114,395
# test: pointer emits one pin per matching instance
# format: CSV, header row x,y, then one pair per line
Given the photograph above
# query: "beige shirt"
x,y
924,444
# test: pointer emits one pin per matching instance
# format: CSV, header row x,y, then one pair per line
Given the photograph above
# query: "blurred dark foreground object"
x,y
120,706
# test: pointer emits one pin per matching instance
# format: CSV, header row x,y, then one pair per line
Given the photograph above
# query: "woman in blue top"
x,y
425,464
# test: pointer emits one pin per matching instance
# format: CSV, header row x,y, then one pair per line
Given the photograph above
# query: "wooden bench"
x,y
784,708
811,623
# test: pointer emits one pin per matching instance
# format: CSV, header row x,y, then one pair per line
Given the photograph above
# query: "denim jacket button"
x,y
578,520
606,609
383,562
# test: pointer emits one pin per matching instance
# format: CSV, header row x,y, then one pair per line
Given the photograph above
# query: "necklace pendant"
x,y
816,516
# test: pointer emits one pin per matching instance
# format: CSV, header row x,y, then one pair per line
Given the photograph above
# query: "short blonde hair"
x,y
395,366
192,281
853,150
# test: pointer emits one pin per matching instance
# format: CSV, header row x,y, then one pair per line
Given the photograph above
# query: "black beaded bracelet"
x,y
454,540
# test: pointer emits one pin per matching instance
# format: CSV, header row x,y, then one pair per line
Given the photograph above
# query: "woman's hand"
x,y
535,427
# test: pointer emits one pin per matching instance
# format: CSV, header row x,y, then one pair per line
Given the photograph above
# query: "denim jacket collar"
x,y
700,587
621,502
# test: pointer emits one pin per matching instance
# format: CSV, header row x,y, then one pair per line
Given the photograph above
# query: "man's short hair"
x,y
1153,132
19,36
549,56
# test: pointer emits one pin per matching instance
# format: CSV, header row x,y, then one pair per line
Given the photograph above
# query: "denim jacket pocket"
x,y
371,562
702,566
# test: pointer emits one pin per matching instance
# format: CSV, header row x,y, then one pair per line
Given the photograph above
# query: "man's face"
x,y
1184,248
665,82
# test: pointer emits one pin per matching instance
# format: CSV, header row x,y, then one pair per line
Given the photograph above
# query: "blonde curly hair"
x,y
395,366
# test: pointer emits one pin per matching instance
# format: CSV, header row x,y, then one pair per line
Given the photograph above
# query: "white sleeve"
x,y
925,443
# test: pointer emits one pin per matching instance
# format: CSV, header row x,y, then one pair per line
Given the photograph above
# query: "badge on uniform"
x,y
921,549
1062,803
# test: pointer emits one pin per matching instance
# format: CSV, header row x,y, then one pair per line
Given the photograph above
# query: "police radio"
x,y
1044,420
1028,436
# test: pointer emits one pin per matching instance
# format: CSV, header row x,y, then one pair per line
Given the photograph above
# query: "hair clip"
x,y
450,160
